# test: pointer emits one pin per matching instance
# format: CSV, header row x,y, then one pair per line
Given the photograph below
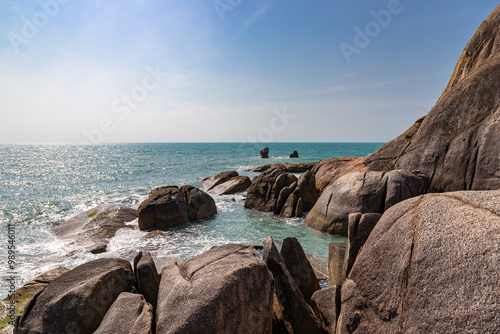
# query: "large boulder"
x,y
77,301
291,312
130,314
299,267
456,144
329,170
147,278
365,192
264,191
430,265
93,228
225,290
172,206
21,297
234,185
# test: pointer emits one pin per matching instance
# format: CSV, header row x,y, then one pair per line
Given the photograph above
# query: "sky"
x,y
104,71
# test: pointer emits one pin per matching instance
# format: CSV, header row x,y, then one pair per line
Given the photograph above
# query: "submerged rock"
x,y
430,265
170,206
93,228
225,290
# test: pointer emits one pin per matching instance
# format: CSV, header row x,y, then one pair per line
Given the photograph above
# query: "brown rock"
x,y
326,302
360,227
77,301
225,290
170,206
299,267
213,181
299,167
234,185
130,313
264,153
264,191
336,256
147,278
430,265
292,314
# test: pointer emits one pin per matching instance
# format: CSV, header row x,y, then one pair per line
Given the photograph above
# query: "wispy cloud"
x,y
254,17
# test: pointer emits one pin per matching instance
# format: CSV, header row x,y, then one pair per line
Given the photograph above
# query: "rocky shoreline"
x,y
421,214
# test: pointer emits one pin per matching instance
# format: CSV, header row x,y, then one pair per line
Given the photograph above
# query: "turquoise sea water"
x,y
44,184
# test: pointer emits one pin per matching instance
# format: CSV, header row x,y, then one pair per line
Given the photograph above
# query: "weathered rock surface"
x,y
430,265
365,192
326,302
300,167
360,227
264,153
23,295
170,206
130,313
213,181
456,144
295,154
336,258
264,191
147,278
234,185
329,170
299,267
93,228
77,301
225,290
292,313
302,198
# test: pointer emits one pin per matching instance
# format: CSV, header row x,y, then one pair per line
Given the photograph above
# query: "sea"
x,y
42,185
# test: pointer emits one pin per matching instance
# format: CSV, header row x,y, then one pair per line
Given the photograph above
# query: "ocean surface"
x,y
42,185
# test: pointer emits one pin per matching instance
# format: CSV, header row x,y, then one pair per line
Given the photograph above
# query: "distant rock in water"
x,y
93,228
172,206
295,154
264,153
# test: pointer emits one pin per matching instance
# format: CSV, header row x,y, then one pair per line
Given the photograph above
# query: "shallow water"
x,y
44,184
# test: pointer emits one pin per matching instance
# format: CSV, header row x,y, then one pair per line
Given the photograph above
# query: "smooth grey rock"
x,y
232,186
218,179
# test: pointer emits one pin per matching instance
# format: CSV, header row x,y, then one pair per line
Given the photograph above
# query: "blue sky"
x,y
228,70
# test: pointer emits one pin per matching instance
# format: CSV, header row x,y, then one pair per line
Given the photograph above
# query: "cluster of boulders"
x,y
228,289
282,193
